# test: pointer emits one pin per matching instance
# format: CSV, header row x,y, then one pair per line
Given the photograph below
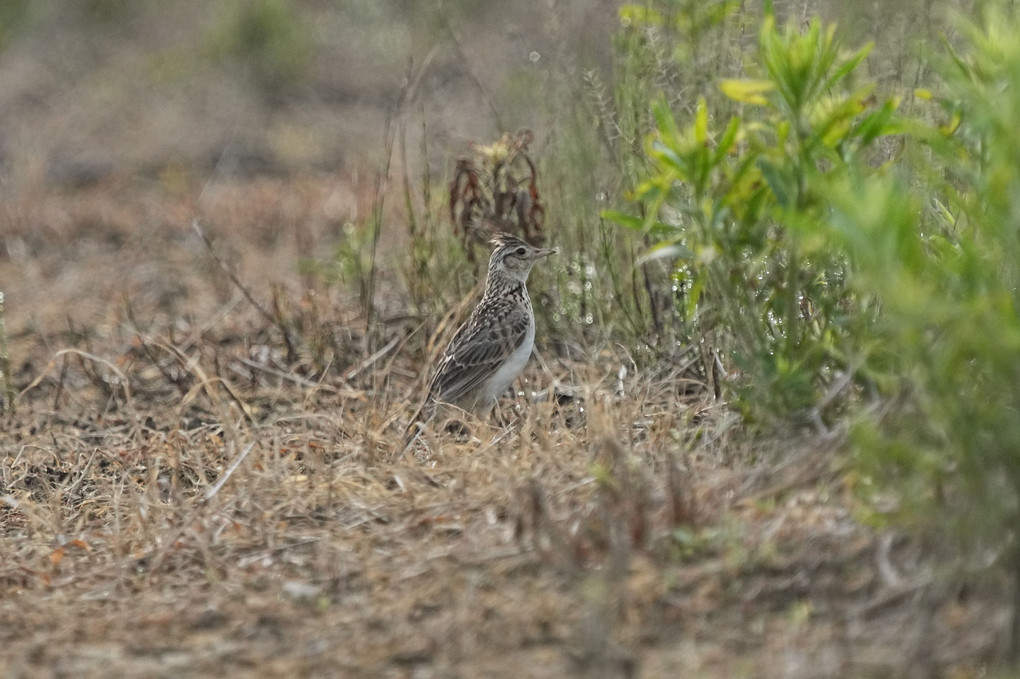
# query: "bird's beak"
x,y
545,252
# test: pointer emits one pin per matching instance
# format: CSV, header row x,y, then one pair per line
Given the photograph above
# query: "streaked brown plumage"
x,y
491,349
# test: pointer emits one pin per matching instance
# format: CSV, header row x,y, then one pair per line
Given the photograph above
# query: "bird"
x,y
489,351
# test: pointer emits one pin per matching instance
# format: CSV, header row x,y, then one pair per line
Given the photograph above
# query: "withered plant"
x,y
496,191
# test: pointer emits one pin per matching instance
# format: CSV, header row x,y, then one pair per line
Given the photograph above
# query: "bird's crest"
x,y
503,239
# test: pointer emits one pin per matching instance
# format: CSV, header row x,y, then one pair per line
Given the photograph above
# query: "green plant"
x,y
736,207
603,292
942,254
268,39
106,12
14,14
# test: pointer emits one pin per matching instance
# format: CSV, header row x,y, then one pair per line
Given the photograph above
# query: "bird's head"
x,y
515,257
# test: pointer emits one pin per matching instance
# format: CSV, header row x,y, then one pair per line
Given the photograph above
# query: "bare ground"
x,y
181,498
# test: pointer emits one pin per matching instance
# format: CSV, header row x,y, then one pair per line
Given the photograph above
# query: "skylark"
x,y
491,349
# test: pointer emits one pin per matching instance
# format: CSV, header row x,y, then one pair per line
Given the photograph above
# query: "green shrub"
x,y
942,254
736,208
268,39
595,156
819,261
13,15
106,12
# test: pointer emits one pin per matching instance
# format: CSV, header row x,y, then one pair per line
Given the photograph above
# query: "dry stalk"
x,y
84,356
6,385
275,320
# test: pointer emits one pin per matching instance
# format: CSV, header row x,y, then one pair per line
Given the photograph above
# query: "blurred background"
x,y
91,89
99,88
272,121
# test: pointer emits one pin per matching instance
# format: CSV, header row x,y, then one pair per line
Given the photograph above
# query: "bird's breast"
x,y
511,368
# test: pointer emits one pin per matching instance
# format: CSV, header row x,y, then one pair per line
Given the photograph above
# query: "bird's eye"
x,y
521,252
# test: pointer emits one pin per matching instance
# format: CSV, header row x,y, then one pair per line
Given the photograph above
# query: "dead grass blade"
x,y
274,320
124,383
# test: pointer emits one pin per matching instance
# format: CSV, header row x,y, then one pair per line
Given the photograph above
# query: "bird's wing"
x,y
495,330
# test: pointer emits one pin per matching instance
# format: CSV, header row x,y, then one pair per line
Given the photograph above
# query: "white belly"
x,y
508,372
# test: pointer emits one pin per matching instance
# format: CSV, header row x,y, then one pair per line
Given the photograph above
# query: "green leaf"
x,y
847,67
727,141
639,16
701,122
778,182
624,219
747,91
878,123
665,123
694,296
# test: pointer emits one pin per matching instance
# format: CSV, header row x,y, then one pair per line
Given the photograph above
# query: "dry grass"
x,y
178,497
193,487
